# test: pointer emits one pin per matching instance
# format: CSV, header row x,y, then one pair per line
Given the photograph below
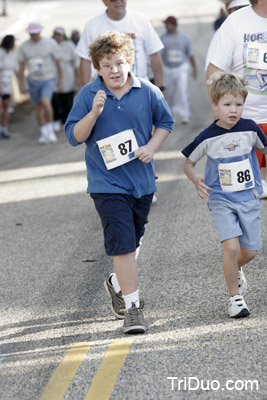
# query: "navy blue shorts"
x,y
123,219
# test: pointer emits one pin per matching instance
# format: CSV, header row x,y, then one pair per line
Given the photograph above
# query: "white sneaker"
x,y
42,139
51,137
237,307
185,121
264,187
57,125
4,133
242,283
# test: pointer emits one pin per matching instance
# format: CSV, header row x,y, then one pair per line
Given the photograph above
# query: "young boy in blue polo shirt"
x,y
232,181
114,116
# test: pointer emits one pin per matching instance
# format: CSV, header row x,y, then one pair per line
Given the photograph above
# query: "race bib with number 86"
x,y
236,176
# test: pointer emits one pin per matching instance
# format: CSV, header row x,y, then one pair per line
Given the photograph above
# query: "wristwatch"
x,y
162,88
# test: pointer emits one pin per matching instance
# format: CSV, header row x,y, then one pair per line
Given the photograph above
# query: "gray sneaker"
x,y
117,303
134,321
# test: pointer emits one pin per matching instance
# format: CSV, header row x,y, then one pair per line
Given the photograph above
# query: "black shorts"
x,y
123,219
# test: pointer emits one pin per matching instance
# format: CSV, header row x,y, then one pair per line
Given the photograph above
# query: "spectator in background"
x,y
8,67
146,40
230,6
240,48
177,56
62,100
75,36
40,56
222,16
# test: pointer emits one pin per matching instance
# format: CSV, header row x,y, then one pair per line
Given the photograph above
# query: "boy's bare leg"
x,y
234,258
126,270
245,256
231,250
40,114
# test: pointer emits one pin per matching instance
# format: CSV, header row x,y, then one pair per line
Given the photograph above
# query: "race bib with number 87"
x,y
118,149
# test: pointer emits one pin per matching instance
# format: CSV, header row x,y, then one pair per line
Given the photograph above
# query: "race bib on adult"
x,y
118,149
175,56
36,65
257,55
236,176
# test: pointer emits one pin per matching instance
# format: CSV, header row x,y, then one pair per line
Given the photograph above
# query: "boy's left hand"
x,y
144,153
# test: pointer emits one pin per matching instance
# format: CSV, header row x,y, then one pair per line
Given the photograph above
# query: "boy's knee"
x,y
249,254
230,248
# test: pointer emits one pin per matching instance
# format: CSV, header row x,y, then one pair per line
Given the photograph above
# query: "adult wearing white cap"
x,y
40,56
242,48
230,6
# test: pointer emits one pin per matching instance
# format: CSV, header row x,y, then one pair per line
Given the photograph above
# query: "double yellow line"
x,y
104,380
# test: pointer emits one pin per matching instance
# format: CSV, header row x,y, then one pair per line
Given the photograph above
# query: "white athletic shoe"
x,y
237,307
43,139
51,137
242,283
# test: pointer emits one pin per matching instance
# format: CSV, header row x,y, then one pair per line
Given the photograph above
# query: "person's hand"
x,y
59,86
144,153
201,188
23,89
99,102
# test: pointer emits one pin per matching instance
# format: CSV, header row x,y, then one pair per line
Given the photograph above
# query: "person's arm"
x,y
59,74
83,128
146,153
198,181
194,66
157,69
21,77
263,151
85,71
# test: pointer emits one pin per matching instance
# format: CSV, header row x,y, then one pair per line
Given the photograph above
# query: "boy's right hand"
x,y
202,188
99,102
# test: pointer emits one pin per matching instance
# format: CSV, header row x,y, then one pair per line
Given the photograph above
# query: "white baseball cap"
x,y
60,31
34,28
238,3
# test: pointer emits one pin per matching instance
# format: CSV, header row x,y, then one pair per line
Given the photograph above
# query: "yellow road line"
x,y
106,376
65,372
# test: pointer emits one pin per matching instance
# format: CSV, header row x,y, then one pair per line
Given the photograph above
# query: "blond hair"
x,y
222,83
110,43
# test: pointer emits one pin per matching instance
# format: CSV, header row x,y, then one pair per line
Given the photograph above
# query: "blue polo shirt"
x,y
139,109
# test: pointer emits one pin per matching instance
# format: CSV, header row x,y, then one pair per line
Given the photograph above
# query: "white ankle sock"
x,y
115,283
132,298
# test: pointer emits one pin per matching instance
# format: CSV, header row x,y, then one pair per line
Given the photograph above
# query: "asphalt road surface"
x,y
59,339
